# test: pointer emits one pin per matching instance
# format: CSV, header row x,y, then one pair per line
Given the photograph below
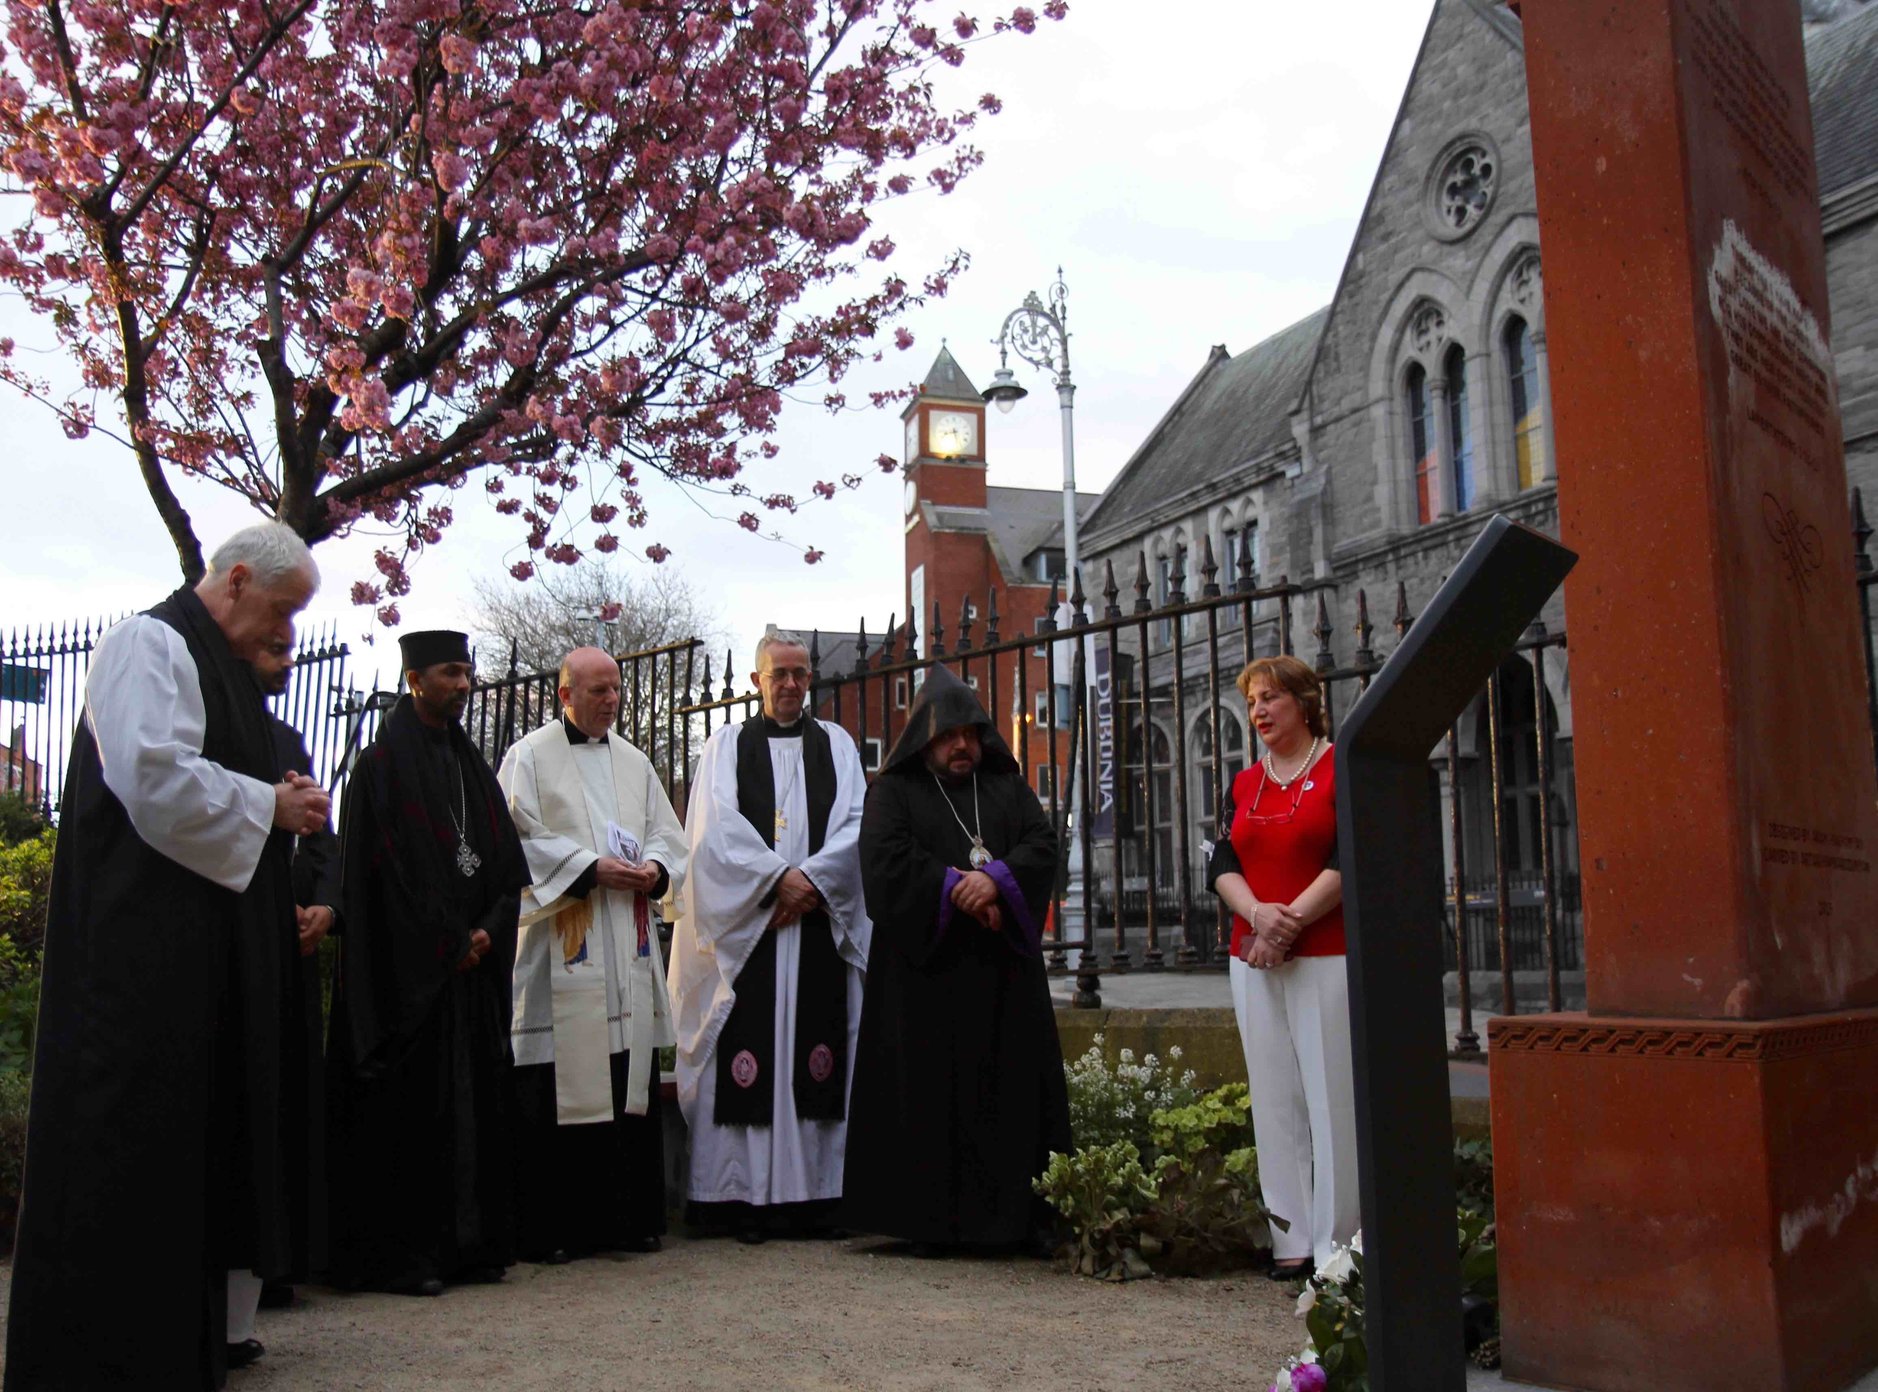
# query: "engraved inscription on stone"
x,y
1814,848
1754,102
1779,368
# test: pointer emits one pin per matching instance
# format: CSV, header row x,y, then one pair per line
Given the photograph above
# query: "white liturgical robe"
x,y
588,980
143,701
732,872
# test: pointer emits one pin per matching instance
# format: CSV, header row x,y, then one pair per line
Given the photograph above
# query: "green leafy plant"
x,y
1473,1176
1337,1359
20,819
25,884
19,1006
1109,1103
1166,1178
1103,1192
14,1088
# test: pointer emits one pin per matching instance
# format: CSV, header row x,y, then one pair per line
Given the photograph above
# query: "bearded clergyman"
x,y
959,1095
768,960
591,1010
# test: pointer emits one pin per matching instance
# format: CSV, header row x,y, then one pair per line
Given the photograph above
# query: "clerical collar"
x,y
575,735
775,731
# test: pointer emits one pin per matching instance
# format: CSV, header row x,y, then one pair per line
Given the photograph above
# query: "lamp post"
x,y
1039,334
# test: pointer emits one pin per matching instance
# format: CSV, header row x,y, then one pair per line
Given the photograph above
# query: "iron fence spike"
x,y
1209,569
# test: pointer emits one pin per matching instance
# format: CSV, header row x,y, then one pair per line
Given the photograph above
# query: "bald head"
x,y
590,691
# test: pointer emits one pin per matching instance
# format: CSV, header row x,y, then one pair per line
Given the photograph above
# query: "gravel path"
x,y
794,1315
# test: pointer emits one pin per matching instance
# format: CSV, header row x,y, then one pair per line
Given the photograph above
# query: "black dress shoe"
x,y
242,1354
416,1285
753,1237
558,1257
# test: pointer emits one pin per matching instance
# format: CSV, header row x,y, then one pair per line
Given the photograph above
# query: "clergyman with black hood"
x,y
959,1095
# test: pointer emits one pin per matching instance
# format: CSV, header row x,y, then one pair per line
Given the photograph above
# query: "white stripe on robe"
x,y
790,1161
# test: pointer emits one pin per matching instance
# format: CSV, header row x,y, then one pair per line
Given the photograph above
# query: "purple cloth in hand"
x,y
1025,932
1022,930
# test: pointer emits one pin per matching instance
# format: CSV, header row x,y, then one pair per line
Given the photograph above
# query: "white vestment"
x,y
732,872
573,803
143,702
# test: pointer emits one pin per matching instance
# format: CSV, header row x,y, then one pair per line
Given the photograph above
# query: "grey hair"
x,y
778,638
271,551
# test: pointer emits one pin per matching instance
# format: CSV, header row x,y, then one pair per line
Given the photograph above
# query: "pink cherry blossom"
x,y
338,257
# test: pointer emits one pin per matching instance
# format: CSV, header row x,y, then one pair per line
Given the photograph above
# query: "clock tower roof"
x,y
946,381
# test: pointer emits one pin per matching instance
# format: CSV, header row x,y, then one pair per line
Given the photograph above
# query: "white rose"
x,y
1338,1267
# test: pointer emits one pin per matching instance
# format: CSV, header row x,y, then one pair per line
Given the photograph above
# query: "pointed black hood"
x,y
945,703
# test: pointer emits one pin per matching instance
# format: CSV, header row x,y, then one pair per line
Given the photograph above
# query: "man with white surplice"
x,y
768,961
591,1010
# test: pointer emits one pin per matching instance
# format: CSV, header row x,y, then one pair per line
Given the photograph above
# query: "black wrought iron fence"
x,y
42,695
1137,699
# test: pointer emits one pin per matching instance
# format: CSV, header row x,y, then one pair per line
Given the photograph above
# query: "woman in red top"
x,y
1275,866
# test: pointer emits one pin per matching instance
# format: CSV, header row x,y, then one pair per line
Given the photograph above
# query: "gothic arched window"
x,y
1422,442
1522,381
1458,430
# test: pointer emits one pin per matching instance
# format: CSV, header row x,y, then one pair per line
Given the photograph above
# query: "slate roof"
x,y
1237,409
1016,521
946,379
1842,76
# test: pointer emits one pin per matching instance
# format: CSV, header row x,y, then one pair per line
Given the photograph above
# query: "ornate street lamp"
x,y
1039,334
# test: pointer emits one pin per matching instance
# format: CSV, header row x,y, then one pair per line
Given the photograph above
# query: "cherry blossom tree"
x,y
348,258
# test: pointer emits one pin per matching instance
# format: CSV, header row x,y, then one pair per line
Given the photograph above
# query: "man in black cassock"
x,y
959,1095
158,1137
314,873
418,1065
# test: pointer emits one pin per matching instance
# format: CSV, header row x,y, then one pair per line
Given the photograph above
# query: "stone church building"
x,y
1357,454
1363,447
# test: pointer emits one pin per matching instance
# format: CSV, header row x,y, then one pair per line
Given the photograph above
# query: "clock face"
x,y
954,433
912,497
912,438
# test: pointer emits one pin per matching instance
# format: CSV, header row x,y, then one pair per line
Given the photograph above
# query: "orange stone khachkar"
x,y
1687,1176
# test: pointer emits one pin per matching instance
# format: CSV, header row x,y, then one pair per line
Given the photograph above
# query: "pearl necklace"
x,y
1310,757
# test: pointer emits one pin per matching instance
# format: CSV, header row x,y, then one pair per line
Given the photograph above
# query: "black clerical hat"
x,y
433,645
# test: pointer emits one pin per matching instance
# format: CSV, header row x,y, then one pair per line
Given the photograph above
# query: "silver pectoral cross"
x,y
467,860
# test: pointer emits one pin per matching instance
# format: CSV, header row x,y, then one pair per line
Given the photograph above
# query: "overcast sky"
x,y
1197,168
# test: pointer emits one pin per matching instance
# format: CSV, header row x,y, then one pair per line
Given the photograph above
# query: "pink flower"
x,y
902,338
1308,1377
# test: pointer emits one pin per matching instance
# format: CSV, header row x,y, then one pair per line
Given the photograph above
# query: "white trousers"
x,y
1294,1022
244,1298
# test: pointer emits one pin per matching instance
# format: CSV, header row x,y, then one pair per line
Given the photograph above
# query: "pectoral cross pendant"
x,y
782,822
467,860
978,855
